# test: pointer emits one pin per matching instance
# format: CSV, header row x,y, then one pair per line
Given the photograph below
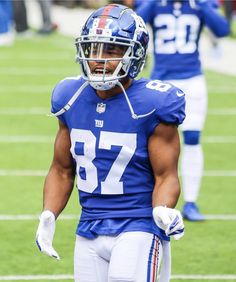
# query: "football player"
x,y
177,26
119,137
6,34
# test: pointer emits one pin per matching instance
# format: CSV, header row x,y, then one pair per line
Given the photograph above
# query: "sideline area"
x,y
71,20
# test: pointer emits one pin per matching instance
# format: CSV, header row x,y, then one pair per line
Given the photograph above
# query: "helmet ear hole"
x,y
139,52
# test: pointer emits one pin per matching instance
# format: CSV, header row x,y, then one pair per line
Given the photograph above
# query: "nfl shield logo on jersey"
x,y
101,107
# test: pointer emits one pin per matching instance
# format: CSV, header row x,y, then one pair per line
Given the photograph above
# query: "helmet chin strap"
x,y
71,101
192,4
84,85
133,114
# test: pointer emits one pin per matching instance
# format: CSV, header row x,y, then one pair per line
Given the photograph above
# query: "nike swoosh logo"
x,y
179,94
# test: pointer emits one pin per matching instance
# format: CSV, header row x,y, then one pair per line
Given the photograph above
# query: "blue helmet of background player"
x,y
112,24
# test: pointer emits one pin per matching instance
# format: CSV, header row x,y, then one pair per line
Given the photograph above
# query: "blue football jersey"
x,y
176,30
114,175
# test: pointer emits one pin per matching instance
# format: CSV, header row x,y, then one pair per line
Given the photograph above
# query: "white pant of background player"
x,y
192,160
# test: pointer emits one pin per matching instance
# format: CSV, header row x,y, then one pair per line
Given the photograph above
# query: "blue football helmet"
x,y
110,27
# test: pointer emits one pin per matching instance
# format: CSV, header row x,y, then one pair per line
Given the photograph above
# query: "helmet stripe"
x,y
104,15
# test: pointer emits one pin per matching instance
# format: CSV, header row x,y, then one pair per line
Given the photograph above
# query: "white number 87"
x,y
112,183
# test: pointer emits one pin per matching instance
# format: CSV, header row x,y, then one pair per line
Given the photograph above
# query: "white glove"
x,y
45,234
169,220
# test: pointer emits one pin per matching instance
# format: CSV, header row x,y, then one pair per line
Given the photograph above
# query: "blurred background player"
x,y
6,28
21,18
126,168
177,27
46,10
229,7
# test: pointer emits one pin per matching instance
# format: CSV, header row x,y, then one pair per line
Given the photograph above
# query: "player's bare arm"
x,y
60,179
164,149
57,190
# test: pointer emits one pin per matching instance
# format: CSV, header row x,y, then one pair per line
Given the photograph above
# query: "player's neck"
x,y
114,91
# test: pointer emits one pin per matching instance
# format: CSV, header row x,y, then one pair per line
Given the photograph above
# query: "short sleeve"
x,y
171,106
62,93
57,101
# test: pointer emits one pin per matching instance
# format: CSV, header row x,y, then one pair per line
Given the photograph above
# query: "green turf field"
x,y
28,72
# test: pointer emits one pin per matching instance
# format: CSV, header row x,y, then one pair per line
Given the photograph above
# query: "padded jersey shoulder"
x,y
168,100
64,91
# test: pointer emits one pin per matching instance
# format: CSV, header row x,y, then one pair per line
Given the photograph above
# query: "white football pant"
x,y
128,257
196,101
192,161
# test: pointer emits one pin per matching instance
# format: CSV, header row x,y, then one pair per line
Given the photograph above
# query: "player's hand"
x,y
169,220
45,234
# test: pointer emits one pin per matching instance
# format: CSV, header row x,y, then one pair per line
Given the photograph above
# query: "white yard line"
x,y
50,139
224,277
220,173
5,89
53,56
22,172
24,111
48,88
26,139
7,217
31,71
220,217
222,112
221,90
36,277
39,88
219,139
30,172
